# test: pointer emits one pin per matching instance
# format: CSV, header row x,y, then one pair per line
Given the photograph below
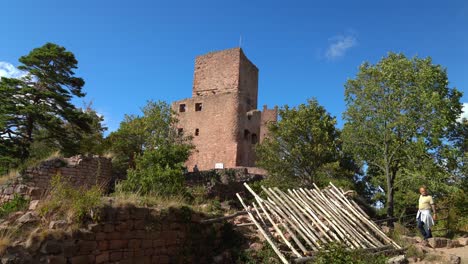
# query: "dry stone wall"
x,y
224,184
131,235
80,171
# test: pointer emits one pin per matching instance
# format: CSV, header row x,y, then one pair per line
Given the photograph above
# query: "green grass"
x,y
18,203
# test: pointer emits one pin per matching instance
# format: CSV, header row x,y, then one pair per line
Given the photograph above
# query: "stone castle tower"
x,y
222,114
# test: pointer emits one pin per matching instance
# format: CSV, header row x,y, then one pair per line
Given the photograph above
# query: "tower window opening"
x,y
197,132
180,131
246,134
182,108
254,139
198,107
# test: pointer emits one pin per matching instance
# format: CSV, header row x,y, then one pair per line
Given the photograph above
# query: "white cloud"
x,y
10,71
339,45
464,113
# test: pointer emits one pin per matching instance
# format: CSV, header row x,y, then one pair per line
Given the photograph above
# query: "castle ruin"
x,y
222,114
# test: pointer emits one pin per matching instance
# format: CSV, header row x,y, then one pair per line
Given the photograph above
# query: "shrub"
x,y
340,254
159,171
71,202
265,255
17,204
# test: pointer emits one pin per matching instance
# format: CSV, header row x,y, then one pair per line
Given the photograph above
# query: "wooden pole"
x,y
265,235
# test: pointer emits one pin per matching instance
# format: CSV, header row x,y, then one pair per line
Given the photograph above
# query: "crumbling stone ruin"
x,y
127,234
222,114
80,171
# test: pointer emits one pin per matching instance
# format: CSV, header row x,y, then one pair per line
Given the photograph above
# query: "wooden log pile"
x,y
299,222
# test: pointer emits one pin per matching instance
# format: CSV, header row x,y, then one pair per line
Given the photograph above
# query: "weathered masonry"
x,y
222,114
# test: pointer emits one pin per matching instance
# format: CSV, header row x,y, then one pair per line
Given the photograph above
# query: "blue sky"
x,y
132,51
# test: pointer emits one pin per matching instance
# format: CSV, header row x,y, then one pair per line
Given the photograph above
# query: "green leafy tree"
x,y
38,107
303,147
399,114
152,151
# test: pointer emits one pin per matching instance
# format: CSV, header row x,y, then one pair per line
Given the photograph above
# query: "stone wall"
x,y
224,184
131,235
80,171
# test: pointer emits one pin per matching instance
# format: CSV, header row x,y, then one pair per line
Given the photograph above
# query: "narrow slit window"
x,y
254,139
198,107
182,108
246,134
197,132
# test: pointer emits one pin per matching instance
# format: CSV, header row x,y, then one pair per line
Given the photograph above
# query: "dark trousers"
x,y
425,234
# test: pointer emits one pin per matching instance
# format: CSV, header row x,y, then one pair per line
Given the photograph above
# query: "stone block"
x,y
29,217
8,190
95,228
170,237
453,243
463,241
107,228
134,243
124,226
33,205
59,224
118,244
114,236
101,236
115,256
70,249
437,242
158,243
128,254
84,259
139,225
146,243
139,213
22,189
86,247
84,234
102,258
51,247
56,260
162,260
103,245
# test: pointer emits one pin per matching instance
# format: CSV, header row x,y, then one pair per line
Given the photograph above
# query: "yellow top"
x,y
425,202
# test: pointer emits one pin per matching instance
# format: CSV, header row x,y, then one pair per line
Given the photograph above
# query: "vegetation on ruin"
x,y
151,151
18,203
71,203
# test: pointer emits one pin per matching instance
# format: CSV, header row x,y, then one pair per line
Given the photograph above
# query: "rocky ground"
x,y
436,250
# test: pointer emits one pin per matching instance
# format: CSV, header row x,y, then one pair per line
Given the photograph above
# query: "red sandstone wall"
x,y
268,115
80,171
129,235
216,72
218,128
248,82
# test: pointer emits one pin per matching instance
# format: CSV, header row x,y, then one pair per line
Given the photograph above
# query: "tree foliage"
x,y
38,108
399,114
303,147
151,151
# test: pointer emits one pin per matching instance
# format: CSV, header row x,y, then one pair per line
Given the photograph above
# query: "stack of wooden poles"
x,y
299,222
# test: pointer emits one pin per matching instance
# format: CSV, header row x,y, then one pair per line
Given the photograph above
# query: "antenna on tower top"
x,y
240,41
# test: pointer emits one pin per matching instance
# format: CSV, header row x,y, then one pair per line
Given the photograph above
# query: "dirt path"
x,y
462,252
